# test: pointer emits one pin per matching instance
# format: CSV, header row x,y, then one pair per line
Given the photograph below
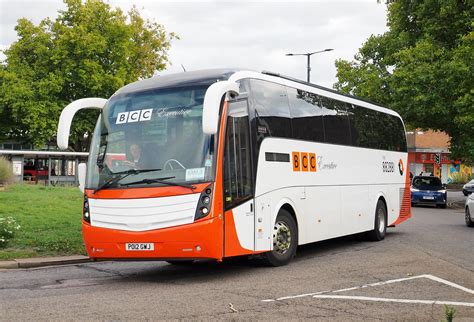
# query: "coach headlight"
x,y
204,204
85,210
206,200
442,191
414,190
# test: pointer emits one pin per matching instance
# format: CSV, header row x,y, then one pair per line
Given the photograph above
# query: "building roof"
x,y
428,141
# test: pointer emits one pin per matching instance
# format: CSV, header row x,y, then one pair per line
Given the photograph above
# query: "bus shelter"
x,y
49,167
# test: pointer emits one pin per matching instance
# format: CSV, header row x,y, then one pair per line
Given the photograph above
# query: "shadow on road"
x,y
205,271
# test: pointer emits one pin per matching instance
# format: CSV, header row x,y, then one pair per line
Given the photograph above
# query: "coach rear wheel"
x,y
285,240
380,223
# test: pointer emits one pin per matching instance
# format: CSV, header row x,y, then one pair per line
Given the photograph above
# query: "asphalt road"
x,y
429,258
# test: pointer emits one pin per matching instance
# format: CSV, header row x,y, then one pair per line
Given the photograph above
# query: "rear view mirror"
x,y
81,175
212,104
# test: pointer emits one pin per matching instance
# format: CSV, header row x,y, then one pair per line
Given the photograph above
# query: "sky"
x,y
245,34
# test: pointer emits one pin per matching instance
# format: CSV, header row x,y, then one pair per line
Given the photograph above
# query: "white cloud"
x,y
246,34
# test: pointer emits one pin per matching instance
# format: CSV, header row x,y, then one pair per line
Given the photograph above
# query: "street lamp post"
x,y
308,57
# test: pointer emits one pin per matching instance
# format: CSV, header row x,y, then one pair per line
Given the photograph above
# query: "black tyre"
x,y
380,223
181,262
285,240
469,222
465,193
443,206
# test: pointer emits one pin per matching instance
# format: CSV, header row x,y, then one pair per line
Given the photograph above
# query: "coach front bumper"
x,y
199,240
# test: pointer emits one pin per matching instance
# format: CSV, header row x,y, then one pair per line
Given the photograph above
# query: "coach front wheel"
x,y
380,223
285,240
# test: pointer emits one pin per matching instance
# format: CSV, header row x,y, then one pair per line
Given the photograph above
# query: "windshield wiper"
x,y
162,181
121,175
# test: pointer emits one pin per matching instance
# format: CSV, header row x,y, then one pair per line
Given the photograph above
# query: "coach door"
x,y
238,188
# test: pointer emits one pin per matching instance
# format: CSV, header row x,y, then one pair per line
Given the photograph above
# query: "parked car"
x,y
30,172
428,190
468,188
470,210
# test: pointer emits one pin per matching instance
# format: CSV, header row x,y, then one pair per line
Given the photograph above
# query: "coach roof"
x,y
192,78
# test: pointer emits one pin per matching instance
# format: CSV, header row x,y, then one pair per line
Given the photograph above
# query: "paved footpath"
x,y
43,261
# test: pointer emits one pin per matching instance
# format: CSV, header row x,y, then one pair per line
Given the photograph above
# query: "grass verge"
x,y
50,220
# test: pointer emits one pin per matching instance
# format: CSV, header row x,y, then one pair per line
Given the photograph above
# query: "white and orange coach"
x,y
220,163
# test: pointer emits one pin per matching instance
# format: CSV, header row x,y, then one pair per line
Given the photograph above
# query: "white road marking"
x,y
462,288
324,294
294,296
380,299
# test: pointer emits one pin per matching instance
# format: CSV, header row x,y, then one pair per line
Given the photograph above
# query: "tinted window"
x,y
307,115
362,133
270,102
336,121
378,130
426,182
396,133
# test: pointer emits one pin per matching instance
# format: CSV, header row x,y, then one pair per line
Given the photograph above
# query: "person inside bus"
x,y
134,158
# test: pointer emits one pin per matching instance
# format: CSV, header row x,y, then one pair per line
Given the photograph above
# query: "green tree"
x,y
423,67
90,50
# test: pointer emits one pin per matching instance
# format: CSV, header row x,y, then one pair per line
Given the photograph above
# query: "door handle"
x,y
251,207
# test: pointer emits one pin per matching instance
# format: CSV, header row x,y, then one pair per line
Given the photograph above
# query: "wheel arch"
x,y
380,196
289,206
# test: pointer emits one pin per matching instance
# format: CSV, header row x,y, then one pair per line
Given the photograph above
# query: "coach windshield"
x,y
151,138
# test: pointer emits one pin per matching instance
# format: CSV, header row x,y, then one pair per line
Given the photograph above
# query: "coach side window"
x,y
395,133
379,129
362,131
336,121
272,112
306,115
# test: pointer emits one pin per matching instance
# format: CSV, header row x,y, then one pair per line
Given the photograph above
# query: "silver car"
x,y
468,188
470,210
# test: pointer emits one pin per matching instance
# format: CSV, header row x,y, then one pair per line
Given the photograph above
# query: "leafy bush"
x,y
6,171
8,227
449,313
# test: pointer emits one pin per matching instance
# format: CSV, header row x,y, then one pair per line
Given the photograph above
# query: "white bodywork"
x,y
329,202
65,120
244,220
143,214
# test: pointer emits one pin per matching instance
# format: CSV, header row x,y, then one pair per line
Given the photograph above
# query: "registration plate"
x,y
429,197
139,246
